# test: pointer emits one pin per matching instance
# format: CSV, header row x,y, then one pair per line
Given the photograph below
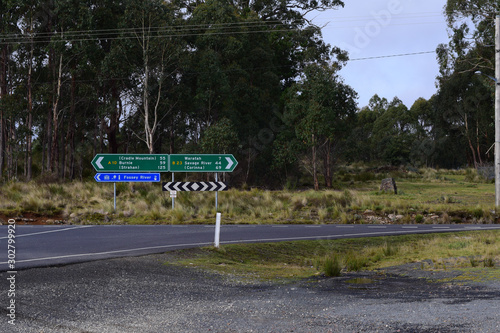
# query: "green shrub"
x,y
489,262
389,250
346,178
354,262
56,189
332,266
290,185
477,212
345,199
364,176
154,214
472,176
473,262
458,245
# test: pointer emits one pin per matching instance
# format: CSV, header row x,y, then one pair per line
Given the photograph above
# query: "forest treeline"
x,y
251,78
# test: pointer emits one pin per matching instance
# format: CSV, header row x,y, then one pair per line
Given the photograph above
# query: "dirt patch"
x,y
33,219
407,285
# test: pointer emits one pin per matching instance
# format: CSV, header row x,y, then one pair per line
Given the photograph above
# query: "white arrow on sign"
x,y
98,176
195,186
230,163
98,162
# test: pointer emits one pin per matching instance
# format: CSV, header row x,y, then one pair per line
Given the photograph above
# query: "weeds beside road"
x,y
427,196
476,255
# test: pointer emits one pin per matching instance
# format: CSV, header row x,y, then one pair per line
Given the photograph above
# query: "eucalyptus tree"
x,y
220,138
423,148
153,50
361,144
244,54
11,13
472,30
393,133
25,60
80,89
465,109
465,101
321,108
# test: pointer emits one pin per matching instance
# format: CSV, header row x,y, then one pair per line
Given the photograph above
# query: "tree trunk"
x,y
101,135
2,142
96,130
70,136
150,121
477,144
172,137
29,137
48,143
3,93
55,120
470,141
328,164
10,151
315,169
114,120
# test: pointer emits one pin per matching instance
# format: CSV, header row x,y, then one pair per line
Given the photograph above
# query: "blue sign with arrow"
x,y
126,177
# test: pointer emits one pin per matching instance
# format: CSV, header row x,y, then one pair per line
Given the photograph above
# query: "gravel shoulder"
x,y
142,294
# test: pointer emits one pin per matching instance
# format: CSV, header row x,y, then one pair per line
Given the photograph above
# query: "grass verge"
x,y
302,259
426,197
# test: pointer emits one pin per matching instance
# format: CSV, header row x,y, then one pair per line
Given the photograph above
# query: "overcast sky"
x,y
373,28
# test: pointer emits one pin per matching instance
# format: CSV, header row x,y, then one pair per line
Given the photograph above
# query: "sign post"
x,y
173,196
216,195
128,167
125,177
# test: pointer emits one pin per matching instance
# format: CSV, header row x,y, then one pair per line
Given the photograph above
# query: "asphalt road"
x,y
143,294
42,246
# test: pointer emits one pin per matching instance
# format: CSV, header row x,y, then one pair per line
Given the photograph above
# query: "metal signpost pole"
x,y
216,194
173,199
114,177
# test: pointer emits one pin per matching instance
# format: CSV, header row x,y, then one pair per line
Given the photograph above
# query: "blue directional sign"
x,y
126,177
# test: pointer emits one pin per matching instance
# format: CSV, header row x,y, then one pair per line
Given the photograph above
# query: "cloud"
x,y
388,27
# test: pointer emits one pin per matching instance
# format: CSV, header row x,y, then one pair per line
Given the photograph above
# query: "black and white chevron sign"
x,y
194,186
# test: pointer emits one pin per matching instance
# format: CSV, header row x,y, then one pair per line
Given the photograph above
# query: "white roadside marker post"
x,y
217,230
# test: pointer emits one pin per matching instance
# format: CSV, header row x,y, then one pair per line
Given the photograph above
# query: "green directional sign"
x,y
131,162
202,163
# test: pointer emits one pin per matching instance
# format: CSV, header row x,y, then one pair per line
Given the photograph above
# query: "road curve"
x,y
41,246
